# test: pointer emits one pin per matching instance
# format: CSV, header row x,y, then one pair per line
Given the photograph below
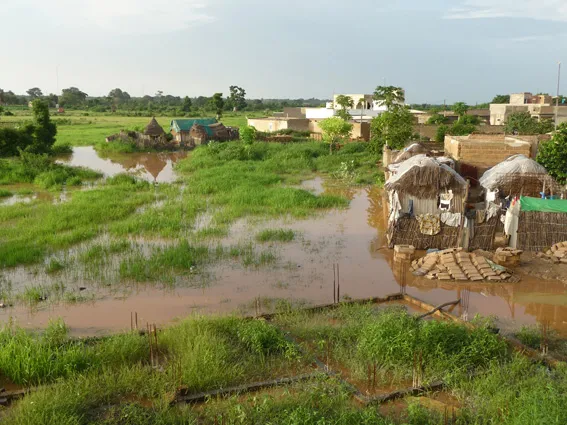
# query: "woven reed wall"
x,y
406,232
484,234
537,231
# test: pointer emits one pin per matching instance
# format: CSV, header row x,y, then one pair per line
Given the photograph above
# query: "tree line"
x,y
119,100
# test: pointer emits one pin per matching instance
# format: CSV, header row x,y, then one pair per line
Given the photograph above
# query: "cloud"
x,y
125,16
545,10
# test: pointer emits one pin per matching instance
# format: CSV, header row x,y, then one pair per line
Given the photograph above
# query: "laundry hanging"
x,y
429,224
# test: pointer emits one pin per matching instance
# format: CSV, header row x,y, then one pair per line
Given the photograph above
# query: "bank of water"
x,y
151,166
353,238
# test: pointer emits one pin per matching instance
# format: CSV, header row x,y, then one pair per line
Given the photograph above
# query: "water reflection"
x,y
152,166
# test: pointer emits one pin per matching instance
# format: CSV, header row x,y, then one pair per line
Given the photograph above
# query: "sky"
x,y
453,50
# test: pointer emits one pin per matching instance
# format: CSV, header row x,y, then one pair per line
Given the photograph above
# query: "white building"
x,y
365,108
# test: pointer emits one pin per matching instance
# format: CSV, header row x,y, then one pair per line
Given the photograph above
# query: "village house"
x,y
539,106
196,131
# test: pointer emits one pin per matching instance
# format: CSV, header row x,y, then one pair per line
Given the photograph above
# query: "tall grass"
x,y
31,359
275,235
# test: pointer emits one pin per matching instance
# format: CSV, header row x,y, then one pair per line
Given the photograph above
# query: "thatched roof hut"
x,y
219,131
518,175
154,129
424,178
198,133
411,151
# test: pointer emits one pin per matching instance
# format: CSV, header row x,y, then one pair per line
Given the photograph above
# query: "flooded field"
x,y
152,166
353,238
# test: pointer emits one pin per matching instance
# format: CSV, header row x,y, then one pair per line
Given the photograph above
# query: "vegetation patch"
x,y
275,235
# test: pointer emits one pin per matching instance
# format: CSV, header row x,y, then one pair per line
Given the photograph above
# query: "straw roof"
x,y
424,178
410,151
517,173
154,129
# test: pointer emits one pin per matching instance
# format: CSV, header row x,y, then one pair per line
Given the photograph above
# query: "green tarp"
x,y
543,205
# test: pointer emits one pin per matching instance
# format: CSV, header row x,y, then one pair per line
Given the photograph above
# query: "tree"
x,y
501,98
335,130
437,119
553,154
248,135
34,92
441,132
524,123
72,97
343,114
391,128
237,98
461,129
117,96
469,120
460,108
389,96
44,129
186,107
345,102
217,103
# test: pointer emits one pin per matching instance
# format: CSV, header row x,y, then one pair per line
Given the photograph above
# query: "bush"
x,y
441,132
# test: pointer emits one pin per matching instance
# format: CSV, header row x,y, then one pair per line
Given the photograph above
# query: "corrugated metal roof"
x,y
186,124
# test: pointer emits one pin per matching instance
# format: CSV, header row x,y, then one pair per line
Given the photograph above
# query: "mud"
x,y
153,166
354,238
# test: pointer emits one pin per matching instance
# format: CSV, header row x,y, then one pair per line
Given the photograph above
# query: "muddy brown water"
x,y
152,166
354,238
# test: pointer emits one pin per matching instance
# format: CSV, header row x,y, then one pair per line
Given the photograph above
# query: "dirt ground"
x,y
543,268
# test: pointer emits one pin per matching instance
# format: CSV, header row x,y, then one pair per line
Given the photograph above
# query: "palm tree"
x,y
389,96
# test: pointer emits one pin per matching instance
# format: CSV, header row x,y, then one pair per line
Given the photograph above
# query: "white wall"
x,y
319,113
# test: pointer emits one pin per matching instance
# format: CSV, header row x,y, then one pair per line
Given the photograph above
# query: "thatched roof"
x,y
410,151
154,129
518,175
424,178
198,131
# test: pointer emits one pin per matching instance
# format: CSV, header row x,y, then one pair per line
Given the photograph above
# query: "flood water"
x,y
353,238
152,166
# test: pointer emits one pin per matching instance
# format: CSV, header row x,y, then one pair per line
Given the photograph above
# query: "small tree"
x,y
187,104
34,92
437,119
389,96
335,130
441,132
460,108
44,129
248,134
345,102
392,128
237,98
501,98
524,123
217,103
553,155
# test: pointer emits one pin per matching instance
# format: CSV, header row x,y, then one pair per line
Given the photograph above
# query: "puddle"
x,y
153,166
354,238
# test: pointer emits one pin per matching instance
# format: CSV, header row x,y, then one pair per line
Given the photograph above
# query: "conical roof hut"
x,y
154,129
423,177
410,151
518,175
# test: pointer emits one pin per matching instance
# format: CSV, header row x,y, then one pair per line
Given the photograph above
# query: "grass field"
x,y
111,380
81,128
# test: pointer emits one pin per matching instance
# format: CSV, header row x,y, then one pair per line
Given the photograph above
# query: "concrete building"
x,y
271,124
539,106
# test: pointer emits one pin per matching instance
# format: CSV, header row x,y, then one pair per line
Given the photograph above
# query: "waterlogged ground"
x,y
97,284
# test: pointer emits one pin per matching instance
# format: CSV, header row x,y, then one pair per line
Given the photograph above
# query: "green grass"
x,y
5,193
275,235
110,381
